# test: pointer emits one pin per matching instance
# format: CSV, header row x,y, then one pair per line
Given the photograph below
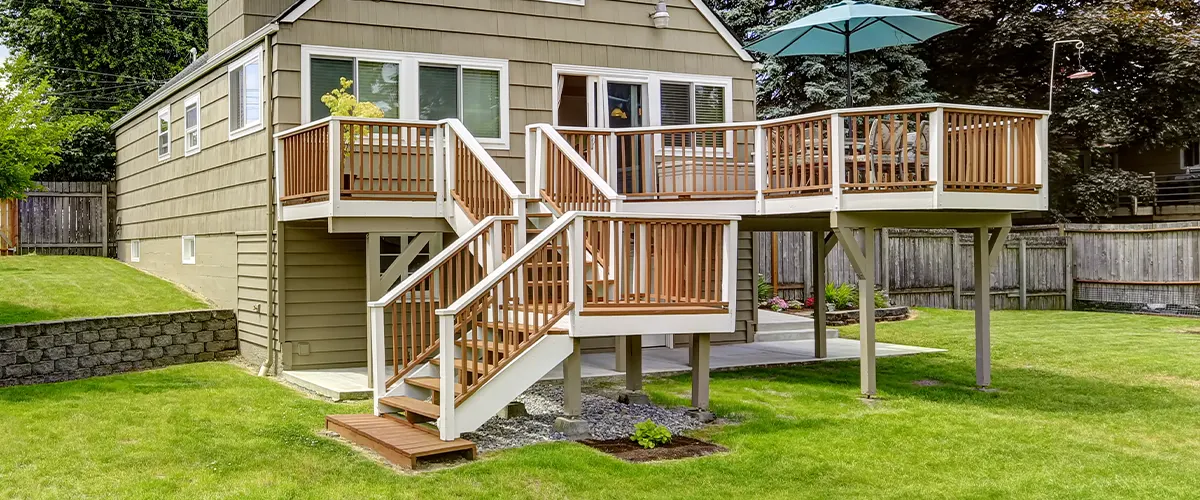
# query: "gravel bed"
x,y
543,401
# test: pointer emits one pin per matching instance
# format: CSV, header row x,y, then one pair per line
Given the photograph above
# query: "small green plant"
x,y
341,102
649,434
843,297
881,300
765,290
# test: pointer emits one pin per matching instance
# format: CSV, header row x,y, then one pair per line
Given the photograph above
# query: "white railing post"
x,y
496,246
335,165
451,140
575,248
937,146
440,159
837,157
379,352
446,425
1042,170
610,161
729,268
760,169
539,181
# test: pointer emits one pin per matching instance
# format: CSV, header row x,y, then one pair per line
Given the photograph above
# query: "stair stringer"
x,y
517,375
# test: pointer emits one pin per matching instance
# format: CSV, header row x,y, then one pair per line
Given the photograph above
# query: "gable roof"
x,y
298,9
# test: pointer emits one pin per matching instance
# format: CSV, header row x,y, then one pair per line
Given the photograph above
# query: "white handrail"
x,y
438,259
578,162
501,272
461,133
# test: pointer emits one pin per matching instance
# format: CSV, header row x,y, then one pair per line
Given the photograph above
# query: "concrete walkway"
x,y
351,383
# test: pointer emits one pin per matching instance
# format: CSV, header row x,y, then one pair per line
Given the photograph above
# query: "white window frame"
x,y
567,2
163,114
135,251
410,63
1187,169
188,259
255,55
188,149
653,81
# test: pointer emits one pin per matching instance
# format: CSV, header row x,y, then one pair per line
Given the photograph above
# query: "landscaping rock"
x,y
633,398
573,428
842,318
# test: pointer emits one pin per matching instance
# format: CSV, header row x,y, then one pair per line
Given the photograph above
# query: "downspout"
x,y
272,223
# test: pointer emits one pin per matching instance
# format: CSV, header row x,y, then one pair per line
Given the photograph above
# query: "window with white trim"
x,y
164,133
413,86
191,125
135,251
189,249
691,104
1191,157
245,95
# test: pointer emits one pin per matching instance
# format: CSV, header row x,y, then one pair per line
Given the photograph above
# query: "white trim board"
x,y
651,79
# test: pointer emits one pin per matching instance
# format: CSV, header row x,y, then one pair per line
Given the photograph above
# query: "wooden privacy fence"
x,y
930,268
67,218
1133,267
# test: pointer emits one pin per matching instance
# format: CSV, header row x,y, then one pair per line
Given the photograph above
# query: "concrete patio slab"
x,y
351,383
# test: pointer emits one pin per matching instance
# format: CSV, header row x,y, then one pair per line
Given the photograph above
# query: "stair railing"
x,y
473,178
559,174
404,329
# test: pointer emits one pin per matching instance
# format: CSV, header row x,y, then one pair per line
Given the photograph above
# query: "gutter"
x,y
220,58
272,222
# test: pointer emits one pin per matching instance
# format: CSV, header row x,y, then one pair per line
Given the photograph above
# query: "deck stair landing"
x,y
398,441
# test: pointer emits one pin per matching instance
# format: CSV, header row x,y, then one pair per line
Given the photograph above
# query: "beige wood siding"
x,y
232,20
252,294
532,35
325,296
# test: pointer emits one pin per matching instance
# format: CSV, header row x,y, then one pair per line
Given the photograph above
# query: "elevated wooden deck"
x,y
398,442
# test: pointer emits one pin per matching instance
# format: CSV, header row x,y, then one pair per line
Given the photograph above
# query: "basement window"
x,y
135,251
189,249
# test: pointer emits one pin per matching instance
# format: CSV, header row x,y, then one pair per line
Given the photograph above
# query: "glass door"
x,y
624,107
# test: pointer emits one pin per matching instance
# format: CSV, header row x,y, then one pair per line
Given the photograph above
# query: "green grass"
x,y
43,288
1087,405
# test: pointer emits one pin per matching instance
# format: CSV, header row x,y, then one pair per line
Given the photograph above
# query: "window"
x,y
135,251
245,95
164,133
189,249
413,86
1191,157
692,104
191,125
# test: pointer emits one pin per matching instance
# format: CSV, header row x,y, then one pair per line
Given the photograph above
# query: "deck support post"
x,y
633,362
863,260
822,242
988,242
573,381
700,349
619,352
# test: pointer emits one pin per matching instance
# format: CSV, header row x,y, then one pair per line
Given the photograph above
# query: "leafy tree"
x,y
100,57
799,84
29,139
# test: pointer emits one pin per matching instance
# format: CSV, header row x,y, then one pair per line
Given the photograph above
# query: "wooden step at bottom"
x,y
413,405
432,383
398,442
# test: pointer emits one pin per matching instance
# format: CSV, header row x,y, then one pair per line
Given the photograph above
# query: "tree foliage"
x,y
100,57
29,138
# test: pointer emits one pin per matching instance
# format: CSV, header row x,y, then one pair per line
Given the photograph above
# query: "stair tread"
x,y
432,383
470,366
413,405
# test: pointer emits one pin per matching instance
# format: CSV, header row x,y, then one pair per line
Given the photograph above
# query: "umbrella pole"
x,y
849,81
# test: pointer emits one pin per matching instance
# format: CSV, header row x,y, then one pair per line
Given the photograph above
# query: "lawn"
x,y
1086,405
47,287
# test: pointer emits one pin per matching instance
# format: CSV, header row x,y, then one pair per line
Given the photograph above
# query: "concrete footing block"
x,y
514,409
633,398
701,414
573,428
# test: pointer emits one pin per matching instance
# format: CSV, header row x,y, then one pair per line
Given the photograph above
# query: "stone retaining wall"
x,y
843,318
54,351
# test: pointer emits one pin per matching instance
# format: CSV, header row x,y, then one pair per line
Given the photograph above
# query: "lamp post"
x,y
1078,75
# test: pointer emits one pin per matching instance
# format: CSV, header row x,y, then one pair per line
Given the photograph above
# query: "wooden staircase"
x,y
399,441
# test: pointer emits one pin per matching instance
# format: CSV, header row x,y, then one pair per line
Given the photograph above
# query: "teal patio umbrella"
x,y
847,27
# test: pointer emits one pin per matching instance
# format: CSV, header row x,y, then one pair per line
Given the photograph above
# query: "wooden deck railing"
x,y
990,152
652,263
305,159
478,184
410,308
559,171
883,149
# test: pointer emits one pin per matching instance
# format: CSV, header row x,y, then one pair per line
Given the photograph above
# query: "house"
x,y
1175,176
549,177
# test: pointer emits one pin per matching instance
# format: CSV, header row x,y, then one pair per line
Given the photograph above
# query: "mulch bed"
x,y
679,447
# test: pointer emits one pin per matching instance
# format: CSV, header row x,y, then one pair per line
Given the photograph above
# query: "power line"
x,y
131,77
166,11
125,86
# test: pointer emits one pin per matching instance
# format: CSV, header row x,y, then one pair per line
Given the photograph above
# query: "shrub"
x,y
765,290
881,300
810,302
649,434
843,297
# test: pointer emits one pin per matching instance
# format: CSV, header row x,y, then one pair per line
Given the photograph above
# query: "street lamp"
x,y
1081,74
